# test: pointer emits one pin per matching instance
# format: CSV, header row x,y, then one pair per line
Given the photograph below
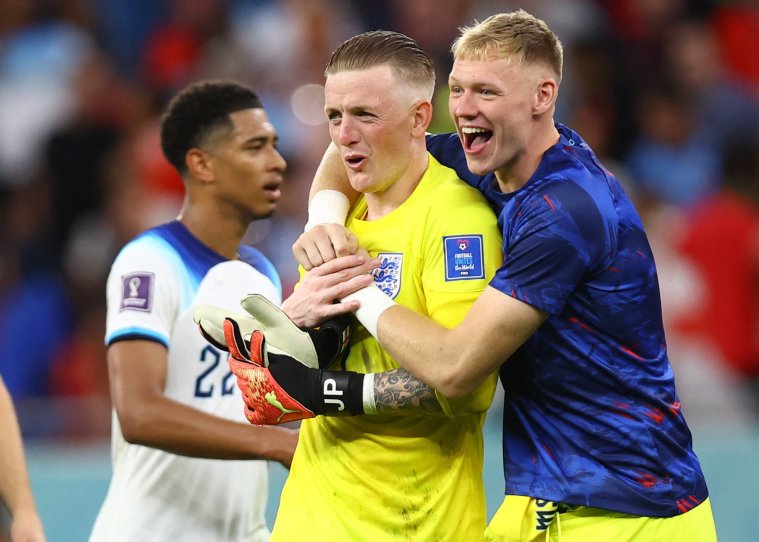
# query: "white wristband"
x,y
368,399
327,207
373,303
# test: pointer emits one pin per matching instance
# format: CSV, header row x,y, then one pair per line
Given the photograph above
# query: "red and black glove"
x,y
287,390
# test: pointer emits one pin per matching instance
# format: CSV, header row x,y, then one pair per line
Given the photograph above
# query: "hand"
x,y
287,390
26,527
282,334
324,243
284,442
266,402
314,300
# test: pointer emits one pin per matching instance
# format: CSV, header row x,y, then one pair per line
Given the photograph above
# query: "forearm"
x,y
400,392
427,350
15,489
453,361
331,175
180,429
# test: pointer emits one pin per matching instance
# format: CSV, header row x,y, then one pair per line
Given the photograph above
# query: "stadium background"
x,y
665,91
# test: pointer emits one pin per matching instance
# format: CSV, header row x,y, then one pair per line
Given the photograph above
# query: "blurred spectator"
x,y
721,240
722,108
39,54
174,48
672,157
737,26
34,306
75,151
710,392
122,28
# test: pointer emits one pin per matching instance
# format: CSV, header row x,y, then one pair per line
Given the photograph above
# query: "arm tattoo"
x,y
400,392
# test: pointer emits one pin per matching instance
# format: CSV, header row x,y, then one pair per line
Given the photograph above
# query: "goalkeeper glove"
x,y
312,348
286,390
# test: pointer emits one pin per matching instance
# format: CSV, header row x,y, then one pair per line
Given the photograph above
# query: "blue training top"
x,y
591,415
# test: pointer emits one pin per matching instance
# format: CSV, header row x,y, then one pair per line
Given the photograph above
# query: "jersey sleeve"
x,y
459,260
447,149
556,239
143,293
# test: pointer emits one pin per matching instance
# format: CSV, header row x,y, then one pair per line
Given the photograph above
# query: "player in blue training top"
x,y
595,443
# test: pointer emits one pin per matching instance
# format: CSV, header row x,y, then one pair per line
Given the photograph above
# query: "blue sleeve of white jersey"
x,y
256,259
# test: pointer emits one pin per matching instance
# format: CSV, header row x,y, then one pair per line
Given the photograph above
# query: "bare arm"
x,y
325,237
494,328
15,489
331,175
137,372
400,392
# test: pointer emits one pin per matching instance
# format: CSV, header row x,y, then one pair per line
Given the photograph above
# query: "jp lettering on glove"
x,y
311,347
286,390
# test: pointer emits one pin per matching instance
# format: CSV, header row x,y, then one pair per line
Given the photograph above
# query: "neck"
x,y
514,175
216,230
384,202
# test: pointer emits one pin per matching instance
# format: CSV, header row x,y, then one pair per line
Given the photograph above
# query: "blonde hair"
x,y
516,34
380,47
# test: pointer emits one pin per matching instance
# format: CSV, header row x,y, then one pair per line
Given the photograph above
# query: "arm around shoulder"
x,y
456,361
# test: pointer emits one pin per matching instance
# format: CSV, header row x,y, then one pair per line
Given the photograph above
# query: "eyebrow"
x,y
274,139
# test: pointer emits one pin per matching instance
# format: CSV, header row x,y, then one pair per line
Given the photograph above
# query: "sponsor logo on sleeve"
x,y
463,257
387,276
137,292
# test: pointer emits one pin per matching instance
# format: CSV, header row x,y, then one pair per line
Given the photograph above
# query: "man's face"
x,y
370,117
491,104
247,165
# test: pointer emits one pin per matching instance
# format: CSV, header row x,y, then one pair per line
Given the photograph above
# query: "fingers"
x,y
344,268
234,340
342,289
210,320
322,244
314,300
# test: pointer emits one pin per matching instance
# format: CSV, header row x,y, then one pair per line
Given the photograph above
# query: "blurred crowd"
x,y
665,91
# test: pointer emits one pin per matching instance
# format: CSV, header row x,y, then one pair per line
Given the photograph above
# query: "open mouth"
x,y
475,138
273,190
355,161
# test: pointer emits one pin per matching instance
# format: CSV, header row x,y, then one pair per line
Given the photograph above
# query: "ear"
x,y
545,96
199,165
422,117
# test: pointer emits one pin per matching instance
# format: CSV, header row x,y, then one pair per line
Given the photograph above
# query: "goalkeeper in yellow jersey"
x,y
411,467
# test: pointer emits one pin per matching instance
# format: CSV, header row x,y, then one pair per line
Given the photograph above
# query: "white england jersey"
x,y
154,285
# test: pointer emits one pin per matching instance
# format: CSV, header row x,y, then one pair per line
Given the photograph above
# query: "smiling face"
x,y
246,165
493,104
371,121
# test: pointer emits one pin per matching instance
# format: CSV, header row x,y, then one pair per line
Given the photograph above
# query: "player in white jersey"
x,y
177,421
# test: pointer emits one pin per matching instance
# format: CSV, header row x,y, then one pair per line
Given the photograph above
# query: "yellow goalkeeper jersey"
x,y
409,477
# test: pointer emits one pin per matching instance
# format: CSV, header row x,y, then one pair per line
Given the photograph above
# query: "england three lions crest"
x,y
387,276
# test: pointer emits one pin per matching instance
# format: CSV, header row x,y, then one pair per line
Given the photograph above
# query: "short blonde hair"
x,y
516,34
383,47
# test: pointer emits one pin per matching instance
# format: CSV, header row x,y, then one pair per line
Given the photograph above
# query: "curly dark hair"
x,y
198,111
